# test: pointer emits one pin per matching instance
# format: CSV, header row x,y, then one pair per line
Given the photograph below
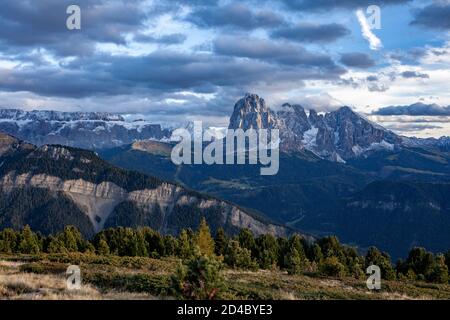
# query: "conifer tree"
x,y
293,261
8,241
103,248
220,242
246,239
185,249
29,243
205,242
237,257
56,246
438,273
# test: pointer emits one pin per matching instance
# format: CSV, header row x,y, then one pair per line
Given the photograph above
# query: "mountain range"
x,y
338,135
339,174
52,186
88,130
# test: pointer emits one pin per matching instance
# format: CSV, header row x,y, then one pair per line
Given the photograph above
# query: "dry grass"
x,y
42,277
30,286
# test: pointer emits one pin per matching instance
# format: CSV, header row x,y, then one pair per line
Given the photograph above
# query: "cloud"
x,y
417,109
42,24
163,71
411,56
410,127
357,60
308,32
323,102
322,5
414,74
434,16
374,41
168,39
234,15
377,87
274,52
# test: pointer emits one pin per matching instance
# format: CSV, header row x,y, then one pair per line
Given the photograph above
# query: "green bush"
x,y
239,258
198,279
332,267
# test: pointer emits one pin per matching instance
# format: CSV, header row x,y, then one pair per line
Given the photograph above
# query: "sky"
x,y
175,61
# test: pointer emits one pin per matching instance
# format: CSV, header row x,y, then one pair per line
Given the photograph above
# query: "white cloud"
x,y
374,41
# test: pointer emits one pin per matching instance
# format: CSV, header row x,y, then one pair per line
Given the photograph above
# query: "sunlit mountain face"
x,y
171,61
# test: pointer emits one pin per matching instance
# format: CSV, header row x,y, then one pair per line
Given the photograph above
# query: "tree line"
x,y
296,255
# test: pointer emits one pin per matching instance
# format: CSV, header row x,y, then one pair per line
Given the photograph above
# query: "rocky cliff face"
x,y
251,112
89,130
98,201
82,178
336,136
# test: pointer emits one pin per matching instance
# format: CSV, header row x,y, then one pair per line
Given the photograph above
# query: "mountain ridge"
x,y
338,135
100,194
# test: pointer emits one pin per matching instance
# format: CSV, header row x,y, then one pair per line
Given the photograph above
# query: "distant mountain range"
x,y
89,130
337,136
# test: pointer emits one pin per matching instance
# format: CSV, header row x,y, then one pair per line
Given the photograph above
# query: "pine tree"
x,y
185,249
140,247
267,251
103,247
317,255
438,273
246,239
220,242
71,239
170,245
8,241
382,260
420,261
56,246
294,262
29,243
89,248
237,257
199,279
205,242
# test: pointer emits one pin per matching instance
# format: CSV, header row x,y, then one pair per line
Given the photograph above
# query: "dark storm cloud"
x,y
274,52
33,24
434,16
157,72
417,109
414,74
321,5
307,32
235,15
357,60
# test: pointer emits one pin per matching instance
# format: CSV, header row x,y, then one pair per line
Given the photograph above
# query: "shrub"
x,y
199,279
332,267
237,257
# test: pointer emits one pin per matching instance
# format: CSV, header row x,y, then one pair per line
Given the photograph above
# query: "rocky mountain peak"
x,y
251,112
337,136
